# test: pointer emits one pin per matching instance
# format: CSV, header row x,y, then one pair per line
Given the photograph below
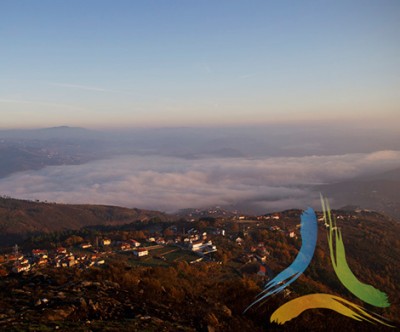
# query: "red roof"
x,y
38,251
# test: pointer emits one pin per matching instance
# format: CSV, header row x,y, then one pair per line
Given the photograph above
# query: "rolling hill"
x,y
19,218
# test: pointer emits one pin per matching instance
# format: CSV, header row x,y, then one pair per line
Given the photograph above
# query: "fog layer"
x,y
170,183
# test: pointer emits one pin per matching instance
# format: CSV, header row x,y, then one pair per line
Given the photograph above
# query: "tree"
x,y
235,227
168,233
73,240
209,220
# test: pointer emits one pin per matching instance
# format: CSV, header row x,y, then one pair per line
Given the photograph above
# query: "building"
x,y
125,246
160,240
291,234
105,242
134,243
239,241
140,252
202,247
42,261
39,253
262,271
100,262
17,268
196,246
61,251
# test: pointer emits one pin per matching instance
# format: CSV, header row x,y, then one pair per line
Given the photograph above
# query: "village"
x,y
192,246
88,254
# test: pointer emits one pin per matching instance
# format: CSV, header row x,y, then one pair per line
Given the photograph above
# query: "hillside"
x,y
170,289
18,218
378,192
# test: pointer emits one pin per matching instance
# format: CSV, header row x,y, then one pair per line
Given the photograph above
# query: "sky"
x,y
114,64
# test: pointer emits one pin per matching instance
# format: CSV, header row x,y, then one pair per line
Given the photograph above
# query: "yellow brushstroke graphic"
x,y
295,307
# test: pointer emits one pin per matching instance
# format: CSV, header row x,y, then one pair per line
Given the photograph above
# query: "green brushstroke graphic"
x,y
365,292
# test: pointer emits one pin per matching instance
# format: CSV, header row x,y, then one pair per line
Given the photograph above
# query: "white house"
x,y
195,246
140,252
239,241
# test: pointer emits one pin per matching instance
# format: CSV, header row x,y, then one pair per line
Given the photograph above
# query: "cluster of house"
x,y
256,254
60,257
20,264
192,240
275,228
274,216
129,245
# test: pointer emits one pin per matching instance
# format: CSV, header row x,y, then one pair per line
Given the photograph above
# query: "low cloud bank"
x,y
169,184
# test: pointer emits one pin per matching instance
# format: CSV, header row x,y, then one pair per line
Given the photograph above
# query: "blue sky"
x,y
198,63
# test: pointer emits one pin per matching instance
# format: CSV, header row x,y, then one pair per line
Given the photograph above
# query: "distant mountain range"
x,y
33,149
46,133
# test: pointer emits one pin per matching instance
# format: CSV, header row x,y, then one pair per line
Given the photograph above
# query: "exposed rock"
x,y
83,303
157,320
211,319
226,310
61,295
90,284
57,314
112,284
93,306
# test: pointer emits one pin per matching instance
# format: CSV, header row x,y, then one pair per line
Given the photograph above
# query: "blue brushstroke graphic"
x,y
286,277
